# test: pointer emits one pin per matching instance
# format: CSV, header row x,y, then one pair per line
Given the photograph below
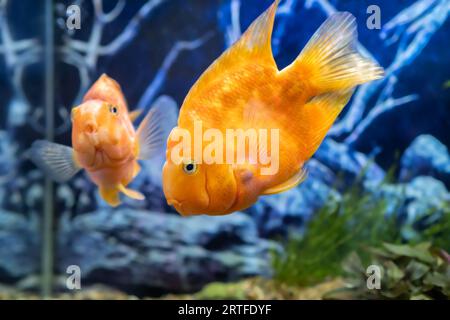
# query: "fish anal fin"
x,y
131,193
292,182
110,195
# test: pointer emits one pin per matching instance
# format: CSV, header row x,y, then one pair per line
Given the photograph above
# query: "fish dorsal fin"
x,y
56,160
254,44
290,183
155,128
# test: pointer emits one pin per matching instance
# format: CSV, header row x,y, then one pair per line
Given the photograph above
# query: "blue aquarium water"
x,y
386,154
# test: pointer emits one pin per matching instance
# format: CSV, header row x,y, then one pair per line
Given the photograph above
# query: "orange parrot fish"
x,y
105,142
244,89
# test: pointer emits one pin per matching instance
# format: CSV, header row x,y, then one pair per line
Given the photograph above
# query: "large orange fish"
x,y
244,89
105,143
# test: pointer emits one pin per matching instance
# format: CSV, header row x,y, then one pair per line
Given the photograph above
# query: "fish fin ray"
x,y
56,160
256,40
135,114
290,183
110,195
330,61
155,128
131,193
254,44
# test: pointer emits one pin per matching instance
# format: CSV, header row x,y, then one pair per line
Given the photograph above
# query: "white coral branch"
x,y
180,46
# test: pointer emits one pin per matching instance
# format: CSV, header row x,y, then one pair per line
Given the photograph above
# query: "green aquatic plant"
x,y
217,290
446,84
353,223
437,228
350,224
407,272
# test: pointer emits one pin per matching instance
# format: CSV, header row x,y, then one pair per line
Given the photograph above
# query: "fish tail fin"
x,y
330,62
318,115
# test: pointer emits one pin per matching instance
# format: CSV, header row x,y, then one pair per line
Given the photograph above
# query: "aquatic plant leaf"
x,y
436,279
399,291
416,270
353,264
393,272
420,251
421,297
339,294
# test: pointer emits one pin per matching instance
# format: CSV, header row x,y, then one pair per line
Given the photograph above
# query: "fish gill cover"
x,y
390,143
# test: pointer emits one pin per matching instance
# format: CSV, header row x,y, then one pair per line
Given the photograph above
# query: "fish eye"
x,y
113,109
190,167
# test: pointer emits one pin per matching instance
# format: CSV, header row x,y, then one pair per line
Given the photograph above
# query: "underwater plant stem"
x,y
47,229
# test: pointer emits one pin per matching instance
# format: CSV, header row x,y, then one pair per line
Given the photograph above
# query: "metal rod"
x,y
47,228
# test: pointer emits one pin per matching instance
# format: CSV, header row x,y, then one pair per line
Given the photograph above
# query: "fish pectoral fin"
x,y
56,160
110,195
329,60
131,193
155,128
135,114
292,182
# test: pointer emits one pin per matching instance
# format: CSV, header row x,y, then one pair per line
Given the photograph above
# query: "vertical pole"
x,y
47,228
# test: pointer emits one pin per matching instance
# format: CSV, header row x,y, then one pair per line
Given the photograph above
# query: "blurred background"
x,y
377,190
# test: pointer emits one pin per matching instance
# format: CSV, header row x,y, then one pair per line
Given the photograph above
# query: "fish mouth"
x,y
183,208
173,202
94,139
177,204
